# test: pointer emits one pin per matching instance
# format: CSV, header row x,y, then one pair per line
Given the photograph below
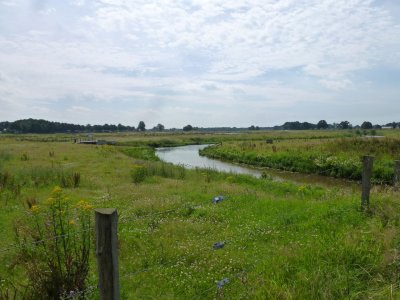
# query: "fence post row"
x,y
396,182
366,181
106,221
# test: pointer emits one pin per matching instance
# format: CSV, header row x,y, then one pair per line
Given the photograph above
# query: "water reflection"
x,y
190,158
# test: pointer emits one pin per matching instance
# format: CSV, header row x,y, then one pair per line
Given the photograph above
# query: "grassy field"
x,y
281,240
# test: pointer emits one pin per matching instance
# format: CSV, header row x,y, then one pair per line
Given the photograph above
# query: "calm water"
x,y
190,158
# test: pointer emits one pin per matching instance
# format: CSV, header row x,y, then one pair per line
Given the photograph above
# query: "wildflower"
x,y
50,201
34,208
56,190
83,205
301,188
71,222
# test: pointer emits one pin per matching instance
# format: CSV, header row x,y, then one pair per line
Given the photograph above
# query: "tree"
x,y
159,127
366,125
322,124
43,126
141,126
298,126
345,125
392,124
188,128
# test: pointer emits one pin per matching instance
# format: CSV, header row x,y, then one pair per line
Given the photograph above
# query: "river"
x,y
189,157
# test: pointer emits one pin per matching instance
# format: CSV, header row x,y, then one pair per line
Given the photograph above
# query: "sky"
x,y
207,63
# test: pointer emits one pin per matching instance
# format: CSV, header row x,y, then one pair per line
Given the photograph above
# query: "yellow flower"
x,y
301,188
50,201
83,205
71,222
57,190
34,208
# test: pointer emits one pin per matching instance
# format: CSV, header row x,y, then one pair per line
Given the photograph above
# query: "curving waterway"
x,y
189,157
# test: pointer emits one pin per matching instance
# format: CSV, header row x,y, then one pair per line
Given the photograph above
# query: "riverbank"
x,y
340,158
189,157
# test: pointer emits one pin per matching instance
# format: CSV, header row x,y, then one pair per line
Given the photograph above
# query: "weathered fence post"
x,y
396,182
366,181
106,221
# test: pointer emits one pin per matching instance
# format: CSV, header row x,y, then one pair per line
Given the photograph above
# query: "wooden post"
x,y
396,182
366,181
106,220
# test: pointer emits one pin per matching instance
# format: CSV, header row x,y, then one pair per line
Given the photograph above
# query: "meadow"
x,y
281,240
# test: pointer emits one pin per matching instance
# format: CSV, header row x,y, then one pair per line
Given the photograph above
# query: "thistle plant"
x,y
55,243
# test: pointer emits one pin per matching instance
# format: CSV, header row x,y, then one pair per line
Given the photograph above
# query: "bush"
x,y
54,246
166,170
24,156
138,174
68,180
10,188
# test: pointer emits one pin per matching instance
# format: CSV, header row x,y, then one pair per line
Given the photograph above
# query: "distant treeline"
x,y
43,126
324,125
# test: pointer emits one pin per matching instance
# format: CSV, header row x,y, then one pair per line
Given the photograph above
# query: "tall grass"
x,y
145,153
282,240
37,177
339,158
5,155
140,172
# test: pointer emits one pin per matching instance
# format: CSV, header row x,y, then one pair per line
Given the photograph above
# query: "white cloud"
x,y
250,37
78,109
9,3
48,11
79,2
149,53
337,84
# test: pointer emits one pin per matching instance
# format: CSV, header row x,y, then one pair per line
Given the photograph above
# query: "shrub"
x,y
10,188
76,179
6,179
24,156
68,180
54,246
138,174
145,153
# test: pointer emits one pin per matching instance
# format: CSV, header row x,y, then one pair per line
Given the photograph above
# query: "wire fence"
x,y
136,214
219,283
130,215
76,294
73,294
125,218
25,244
133,215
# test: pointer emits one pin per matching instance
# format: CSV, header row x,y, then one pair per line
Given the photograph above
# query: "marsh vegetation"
x,y
281,240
